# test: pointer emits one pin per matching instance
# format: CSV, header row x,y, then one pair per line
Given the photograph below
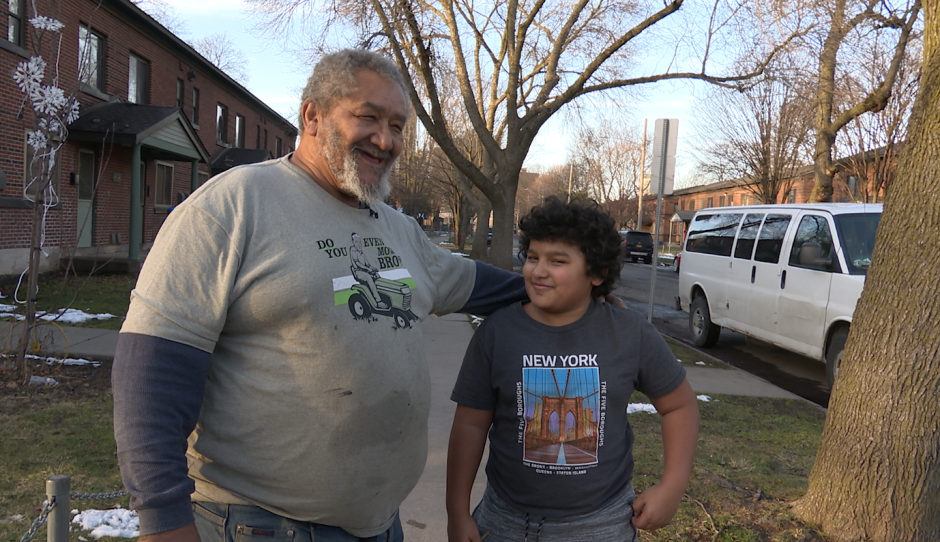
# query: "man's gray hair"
x,y
334,77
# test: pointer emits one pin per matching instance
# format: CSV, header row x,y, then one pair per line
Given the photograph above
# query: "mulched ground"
x,y
73,380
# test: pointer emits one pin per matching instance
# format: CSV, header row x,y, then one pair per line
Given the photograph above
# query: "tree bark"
x,y
23,368
877,472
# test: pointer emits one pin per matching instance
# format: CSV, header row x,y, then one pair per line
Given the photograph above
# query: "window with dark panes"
x,y
713,234
277,147
812,247
180,93
195,107
221,124
770,240
240,131
710,202
164,185
258,136
90,58
15,19
791,196
744,248
138,80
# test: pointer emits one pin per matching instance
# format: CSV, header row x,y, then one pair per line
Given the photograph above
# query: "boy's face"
x,y
557,282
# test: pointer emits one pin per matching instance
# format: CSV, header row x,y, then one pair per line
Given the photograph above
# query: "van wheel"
x,y
704,332
834,354
633,259
648,259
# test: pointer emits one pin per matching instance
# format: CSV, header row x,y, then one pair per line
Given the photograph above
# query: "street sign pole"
x,y
664,170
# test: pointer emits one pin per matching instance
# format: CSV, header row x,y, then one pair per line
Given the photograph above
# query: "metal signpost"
x,y
665,134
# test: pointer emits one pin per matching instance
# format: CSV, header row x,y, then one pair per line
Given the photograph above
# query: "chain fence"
x,y
55,510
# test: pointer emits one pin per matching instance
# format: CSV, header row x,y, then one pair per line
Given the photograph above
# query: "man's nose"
x,y
384,138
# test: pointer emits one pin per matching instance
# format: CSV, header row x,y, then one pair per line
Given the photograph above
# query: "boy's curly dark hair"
x,y
581,224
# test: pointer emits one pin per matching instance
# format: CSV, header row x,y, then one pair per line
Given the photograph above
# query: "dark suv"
x,y
637,244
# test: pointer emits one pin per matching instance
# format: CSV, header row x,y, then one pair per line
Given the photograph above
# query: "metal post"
x,y
639,183
658,220
57,491
137,213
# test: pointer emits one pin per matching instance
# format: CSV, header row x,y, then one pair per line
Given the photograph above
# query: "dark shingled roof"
x,y
231,157
124,123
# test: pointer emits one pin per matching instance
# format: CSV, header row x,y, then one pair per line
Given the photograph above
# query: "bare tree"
x,y
49,110
869,144
164,14
853,26
220,50
758,136
608,159
878,466
519,63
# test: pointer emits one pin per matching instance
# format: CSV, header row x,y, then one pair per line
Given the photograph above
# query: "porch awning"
x,y
165,131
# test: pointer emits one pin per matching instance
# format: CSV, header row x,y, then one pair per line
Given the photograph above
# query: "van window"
x,y
713,234
812,247
857,233
771,236
747,235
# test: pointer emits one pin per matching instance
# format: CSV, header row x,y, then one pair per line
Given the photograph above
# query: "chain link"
x,y
43,517
97,496
49,505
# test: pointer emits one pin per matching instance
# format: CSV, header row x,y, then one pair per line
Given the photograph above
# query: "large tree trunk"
x,y
877,472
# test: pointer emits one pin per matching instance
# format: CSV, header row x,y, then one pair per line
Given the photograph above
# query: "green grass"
x,y
51,432
97,294
754,456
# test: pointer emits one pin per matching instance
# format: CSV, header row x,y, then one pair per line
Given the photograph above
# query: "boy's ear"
x,y
597,281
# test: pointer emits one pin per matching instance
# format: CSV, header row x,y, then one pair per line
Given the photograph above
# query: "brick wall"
x,y
125,32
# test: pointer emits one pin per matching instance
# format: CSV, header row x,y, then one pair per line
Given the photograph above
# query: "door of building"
x,y
86,193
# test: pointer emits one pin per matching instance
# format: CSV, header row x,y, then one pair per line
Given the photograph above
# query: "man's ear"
x,y
311,116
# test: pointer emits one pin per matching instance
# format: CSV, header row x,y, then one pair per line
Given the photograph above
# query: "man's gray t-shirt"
x,y
317,397
561,444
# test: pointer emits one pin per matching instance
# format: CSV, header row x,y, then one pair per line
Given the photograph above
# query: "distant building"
x,y
157,120
858,180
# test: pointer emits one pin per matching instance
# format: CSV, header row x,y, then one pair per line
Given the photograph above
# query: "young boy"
x,y
550,381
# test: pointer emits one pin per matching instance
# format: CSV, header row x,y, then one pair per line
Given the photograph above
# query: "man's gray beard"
x,y
348,173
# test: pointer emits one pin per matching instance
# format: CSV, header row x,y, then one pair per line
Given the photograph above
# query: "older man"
x,y
304,395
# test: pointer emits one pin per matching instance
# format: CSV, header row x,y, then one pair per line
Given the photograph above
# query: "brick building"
x,y
156,121
856,181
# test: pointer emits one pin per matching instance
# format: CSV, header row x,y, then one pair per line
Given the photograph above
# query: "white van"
x,y
789,275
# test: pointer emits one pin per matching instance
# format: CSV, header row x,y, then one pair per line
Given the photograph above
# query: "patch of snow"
x,y
640,407
118,523
72,316
62,316
12,519
650,409
700,363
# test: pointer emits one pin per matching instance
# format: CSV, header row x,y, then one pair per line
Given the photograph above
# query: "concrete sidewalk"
x,y
64,341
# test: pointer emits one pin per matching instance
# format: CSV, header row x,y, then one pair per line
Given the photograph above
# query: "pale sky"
x,y
277,78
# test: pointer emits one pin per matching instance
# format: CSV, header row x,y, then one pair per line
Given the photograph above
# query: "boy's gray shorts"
x,y
499,522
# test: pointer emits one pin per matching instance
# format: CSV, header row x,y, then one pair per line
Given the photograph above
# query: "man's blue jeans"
x,y
238,523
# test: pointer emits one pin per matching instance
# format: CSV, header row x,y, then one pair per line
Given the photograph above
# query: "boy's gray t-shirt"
x,y
561,444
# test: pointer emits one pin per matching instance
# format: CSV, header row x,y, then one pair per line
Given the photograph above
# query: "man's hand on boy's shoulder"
x,y
655,507
614,300
462,529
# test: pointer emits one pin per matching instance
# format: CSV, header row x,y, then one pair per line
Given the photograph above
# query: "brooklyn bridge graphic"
x,y
561,414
